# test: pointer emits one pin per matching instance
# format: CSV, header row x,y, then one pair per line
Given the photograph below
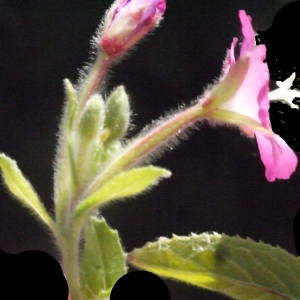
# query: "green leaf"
x,y
122,185
239,268
20,187
103,261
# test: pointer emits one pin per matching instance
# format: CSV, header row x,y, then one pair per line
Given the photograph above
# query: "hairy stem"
x,y
145,145
70,256
94,79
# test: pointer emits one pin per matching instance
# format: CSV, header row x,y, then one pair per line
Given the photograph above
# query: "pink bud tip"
x,y
128,21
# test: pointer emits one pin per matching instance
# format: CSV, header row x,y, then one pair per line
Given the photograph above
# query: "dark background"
x,y
218,181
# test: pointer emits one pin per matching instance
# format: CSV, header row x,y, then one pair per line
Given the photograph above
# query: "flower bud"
x,y
117,114
127,21
91,119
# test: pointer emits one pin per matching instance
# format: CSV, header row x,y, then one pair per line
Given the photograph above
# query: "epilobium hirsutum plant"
x,y
95,164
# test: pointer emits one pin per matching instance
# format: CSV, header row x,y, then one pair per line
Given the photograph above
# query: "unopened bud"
x,y
127,21
117,114
92,118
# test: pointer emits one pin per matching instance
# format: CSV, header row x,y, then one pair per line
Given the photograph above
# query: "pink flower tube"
x,y
127,21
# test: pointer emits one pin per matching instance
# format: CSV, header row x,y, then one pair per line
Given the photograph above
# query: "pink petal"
x,y
245,101
161,7
263,101
127,22
279,159
251,100
248,33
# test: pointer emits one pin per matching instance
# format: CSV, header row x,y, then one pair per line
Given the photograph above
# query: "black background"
x,y
218,181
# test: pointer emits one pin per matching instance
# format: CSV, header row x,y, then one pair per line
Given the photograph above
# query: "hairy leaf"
x,y
239,268
103,261
122,185
20,187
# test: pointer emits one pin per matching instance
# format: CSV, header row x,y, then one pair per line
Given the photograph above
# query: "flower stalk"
x,y
94,80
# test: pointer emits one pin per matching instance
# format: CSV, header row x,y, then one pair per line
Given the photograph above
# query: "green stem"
x,y
67,187
70,256
68,238
94,79
147,144
136,151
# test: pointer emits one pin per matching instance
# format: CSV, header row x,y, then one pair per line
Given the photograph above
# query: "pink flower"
x,y
241,98
127,21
